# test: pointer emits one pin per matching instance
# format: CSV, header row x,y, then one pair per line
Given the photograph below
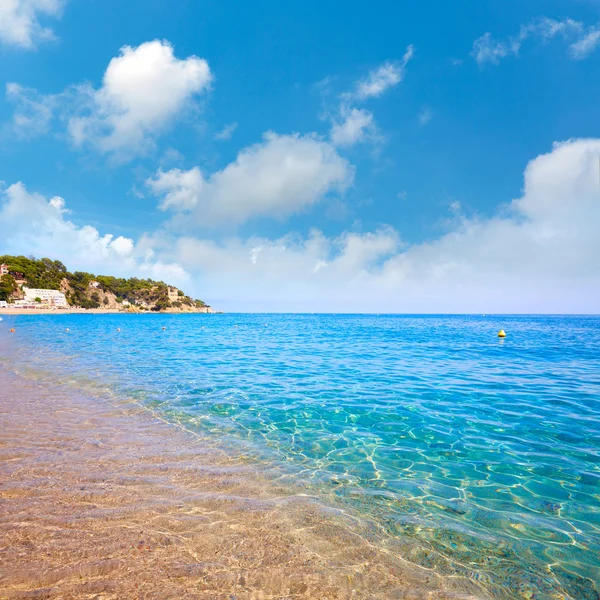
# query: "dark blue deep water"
x,y
484,451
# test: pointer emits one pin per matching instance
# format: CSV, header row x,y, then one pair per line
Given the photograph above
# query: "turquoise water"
x,y
479,456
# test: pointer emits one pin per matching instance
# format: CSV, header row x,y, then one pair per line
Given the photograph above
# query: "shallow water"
x,y
472,456
99,499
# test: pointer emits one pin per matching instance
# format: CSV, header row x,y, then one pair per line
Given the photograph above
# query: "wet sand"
x,y
105,501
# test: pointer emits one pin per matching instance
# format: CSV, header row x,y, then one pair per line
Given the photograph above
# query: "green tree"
x,y
8,286
162,303
59,266
53,274
38,299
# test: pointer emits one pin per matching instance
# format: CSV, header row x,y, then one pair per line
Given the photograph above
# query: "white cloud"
x,y
387,75
488,50
548,28
122,246
351,125
585,45
292,260
538,254
425,116
455,207
19,21
226,132
485,49
180,190
34,112
278,177
354,126
144,89
31,224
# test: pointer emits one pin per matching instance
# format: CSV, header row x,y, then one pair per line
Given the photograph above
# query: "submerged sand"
x,y
104,501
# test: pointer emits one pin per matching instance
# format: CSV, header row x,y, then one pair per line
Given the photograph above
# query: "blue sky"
x,y
416,157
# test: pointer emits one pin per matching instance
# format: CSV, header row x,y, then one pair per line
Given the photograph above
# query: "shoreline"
x,y
104,498
95,311
49,311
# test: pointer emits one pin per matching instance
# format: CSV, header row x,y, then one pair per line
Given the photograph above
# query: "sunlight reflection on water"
x,y
486,452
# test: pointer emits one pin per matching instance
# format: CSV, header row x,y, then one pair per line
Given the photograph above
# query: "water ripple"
x,y
470,455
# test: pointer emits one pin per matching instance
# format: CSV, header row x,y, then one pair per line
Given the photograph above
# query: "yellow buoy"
x,y
11,330
501,333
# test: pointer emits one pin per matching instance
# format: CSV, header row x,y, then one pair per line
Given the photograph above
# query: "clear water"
x,y
481,455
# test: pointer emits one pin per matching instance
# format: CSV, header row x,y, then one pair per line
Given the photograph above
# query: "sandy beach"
x,y
104,501
49,311
87,311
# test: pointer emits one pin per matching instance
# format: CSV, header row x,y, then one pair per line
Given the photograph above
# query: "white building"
x,y
3,304
51,297
25,303
3,270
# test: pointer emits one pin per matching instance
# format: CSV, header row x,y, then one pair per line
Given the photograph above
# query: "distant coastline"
x,y
45,286
97,311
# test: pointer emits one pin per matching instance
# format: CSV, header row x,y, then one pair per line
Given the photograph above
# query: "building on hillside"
x,y
3,270
3,304
50,297
19,278
94,284
173,294
26,303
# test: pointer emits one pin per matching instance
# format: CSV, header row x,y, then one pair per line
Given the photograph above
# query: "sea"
x,y
483,452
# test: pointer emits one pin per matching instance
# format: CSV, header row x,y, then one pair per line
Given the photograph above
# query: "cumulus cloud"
x,y
144,90
538,254
32,224
20,25
290,273
178,189
583,39
278,177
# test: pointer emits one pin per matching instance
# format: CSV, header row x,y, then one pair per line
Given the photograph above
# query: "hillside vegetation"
x,y
87,290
